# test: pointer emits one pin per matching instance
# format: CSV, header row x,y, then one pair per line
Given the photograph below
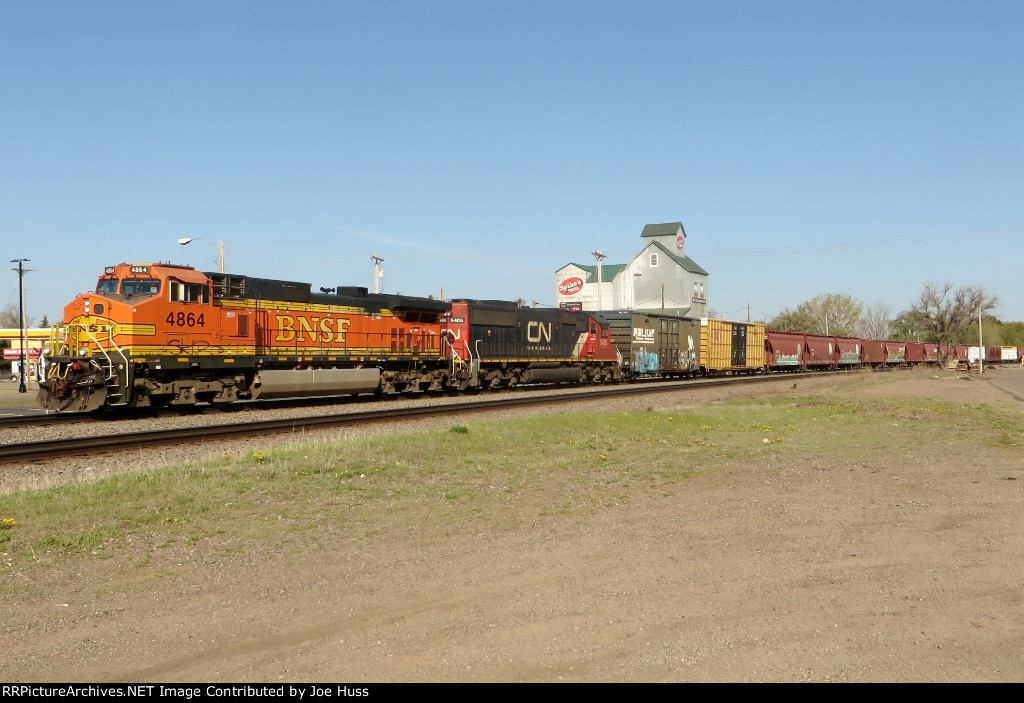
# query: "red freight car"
x,y
819,351
848,351
922,353
784,350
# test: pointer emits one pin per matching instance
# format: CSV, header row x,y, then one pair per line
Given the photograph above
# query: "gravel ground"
x,y
879,566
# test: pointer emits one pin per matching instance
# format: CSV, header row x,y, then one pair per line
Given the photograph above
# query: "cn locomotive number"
x,y
182,319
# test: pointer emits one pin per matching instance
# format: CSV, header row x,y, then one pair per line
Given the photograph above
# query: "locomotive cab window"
x,y
107,286
140,286
189,292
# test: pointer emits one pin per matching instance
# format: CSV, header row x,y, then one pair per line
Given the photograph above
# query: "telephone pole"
x,y
21,321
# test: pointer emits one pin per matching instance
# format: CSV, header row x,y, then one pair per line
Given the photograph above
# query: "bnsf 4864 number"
x,y
185,320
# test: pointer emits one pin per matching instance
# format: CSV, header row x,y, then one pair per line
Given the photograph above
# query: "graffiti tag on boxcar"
x,y
643,334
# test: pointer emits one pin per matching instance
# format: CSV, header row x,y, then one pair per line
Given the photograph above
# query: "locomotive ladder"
x,y
459,364
74,334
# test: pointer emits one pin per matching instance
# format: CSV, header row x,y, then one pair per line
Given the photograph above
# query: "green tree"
x,y
906,327
789,321
830,314
1013,334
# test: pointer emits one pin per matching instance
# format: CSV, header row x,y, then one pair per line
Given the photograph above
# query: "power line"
x,y
839,247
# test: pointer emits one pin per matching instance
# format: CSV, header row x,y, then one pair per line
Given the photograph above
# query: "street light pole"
x,y
21,321
378,272
601,256
220,249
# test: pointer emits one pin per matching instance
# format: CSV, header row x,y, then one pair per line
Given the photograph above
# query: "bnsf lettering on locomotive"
x,y
314,329
538,331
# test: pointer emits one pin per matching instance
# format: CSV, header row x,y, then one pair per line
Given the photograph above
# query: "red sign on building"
x,y
15,354
570,286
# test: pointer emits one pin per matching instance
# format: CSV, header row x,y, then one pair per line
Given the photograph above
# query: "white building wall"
x,y
639,285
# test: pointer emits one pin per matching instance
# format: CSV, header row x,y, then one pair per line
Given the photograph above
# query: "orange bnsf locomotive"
x,y
161,334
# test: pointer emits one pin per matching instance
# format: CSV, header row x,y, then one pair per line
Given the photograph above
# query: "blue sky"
x,y
817,147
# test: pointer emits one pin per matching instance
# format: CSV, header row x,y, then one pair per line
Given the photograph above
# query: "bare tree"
x,y
9,316
943,314
874,321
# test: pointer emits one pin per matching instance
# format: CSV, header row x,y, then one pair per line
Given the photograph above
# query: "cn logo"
x,y
538,331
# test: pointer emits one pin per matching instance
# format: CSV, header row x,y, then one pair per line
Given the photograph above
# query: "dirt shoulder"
x,y
885,567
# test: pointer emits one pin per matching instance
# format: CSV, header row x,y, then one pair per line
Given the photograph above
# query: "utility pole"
x,y
981,349
21,321
378,272
600,256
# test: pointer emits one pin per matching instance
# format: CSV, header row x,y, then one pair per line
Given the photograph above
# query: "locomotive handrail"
x,y
111,373
456,358
74,332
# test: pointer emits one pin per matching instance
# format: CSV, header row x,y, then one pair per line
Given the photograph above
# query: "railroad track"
x,y
114,415
79,446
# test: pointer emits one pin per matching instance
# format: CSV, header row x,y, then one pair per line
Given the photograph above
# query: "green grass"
x,y
467,475
20,400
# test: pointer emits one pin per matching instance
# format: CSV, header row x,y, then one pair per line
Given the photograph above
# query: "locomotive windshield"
x,y
107,286
140,286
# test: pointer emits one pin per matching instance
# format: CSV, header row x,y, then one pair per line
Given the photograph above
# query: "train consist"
x,y
162,334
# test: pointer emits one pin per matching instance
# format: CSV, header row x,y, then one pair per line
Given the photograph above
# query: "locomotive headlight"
x,y
83,351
